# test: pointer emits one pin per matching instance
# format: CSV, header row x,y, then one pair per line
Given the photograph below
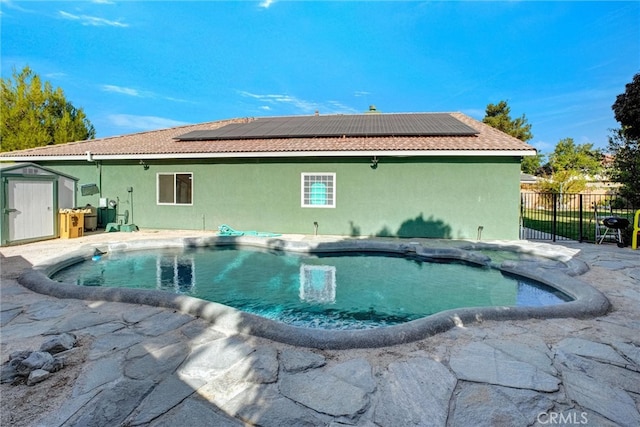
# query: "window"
x,y
319,190
175,188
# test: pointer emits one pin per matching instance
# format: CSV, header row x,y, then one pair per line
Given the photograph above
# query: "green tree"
x,y
532,164
581,158
568,166
499,116
626,165
34,114
627,109
624,144
561,182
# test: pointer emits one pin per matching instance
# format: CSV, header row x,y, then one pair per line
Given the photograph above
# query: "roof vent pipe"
x,y
317,113
372,110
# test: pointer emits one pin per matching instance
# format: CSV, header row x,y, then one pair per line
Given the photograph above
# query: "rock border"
x,y
588,301
37,366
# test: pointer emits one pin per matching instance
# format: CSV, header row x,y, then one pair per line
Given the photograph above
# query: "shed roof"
x,y
399,134
29,169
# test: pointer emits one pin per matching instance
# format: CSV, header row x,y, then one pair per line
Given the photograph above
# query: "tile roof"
x,y
164,143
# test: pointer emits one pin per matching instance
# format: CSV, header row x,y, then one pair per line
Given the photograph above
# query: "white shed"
x,y
29,201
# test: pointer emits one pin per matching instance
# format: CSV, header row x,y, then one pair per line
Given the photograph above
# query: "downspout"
x,y
99,165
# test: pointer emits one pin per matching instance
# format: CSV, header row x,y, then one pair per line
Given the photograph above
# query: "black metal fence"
x,y
555,216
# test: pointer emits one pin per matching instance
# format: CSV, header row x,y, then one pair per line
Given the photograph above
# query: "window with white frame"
x,y
175,188
318,190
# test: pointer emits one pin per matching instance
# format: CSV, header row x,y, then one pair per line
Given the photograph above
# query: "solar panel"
x,y
425,124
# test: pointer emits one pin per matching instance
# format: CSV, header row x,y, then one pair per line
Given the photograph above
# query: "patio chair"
x,y
600,228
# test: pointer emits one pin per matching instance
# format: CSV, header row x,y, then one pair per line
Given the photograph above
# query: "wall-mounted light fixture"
x,y
374,163
144,165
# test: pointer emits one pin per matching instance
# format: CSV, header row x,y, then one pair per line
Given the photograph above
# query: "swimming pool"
x,y
327,290
551,265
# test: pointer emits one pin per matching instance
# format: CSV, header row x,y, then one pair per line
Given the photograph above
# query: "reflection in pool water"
x,y
333,291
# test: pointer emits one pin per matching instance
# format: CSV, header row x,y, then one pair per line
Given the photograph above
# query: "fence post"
x,y
522,234
581,212
555,217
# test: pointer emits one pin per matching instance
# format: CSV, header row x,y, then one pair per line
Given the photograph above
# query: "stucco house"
x,y
440,175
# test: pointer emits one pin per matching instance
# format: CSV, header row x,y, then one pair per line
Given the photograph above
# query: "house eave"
x,y
275,154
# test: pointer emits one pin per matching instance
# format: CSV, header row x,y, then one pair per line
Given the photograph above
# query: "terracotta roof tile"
x,y
163,143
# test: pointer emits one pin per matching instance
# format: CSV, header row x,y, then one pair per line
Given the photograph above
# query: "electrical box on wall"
x,y
103,202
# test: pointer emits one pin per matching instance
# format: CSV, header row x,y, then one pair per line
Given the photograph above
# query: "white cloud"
x,y
139,93
58,75
93,21
282,99
122,90
542,146
8,4
130,121
266,3
299,106
169,98
340,107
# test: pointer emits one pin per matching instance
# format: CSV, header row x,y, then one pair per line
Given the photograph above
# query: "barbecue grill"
x,y
615,225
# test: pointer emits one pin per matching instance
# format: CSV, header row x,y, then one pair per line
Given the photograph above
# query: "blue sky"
x,y
142,65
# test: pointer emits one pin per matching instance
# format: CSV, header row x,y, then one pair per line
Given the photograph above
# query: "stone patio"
x,y
155,366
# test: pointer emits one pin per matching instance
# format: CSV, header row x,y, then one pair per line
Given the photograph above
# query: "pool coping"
x,y
588,301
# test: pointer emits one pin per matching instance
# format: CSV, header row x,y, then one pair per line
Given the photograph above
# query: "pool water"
x,y
331,291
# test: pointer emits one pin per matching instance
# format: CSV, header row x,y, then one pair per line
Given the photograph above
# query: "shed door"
x,y
30,206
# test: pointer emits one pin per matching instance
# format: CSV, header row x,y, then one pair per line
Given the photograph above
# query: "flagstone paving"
x,y
148,366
